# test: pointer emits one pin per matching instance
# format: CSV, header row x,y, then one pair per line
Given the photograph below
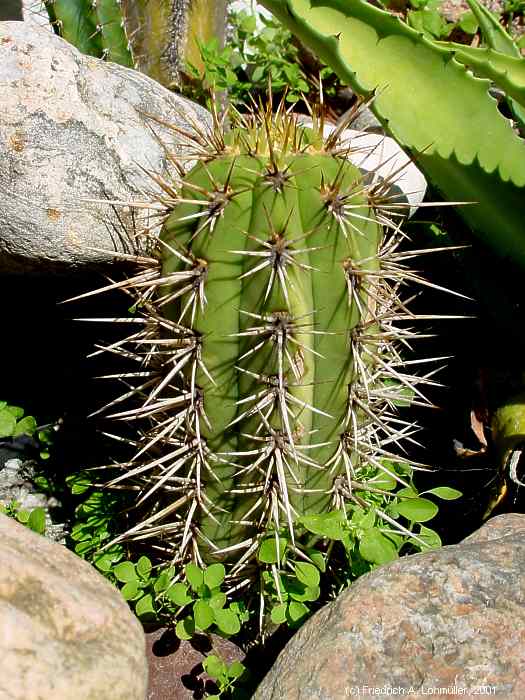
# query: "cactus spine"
x,y
268,346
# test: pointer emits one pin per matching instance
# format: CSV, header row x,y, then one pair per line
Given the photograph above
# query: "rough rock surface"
x,y
447,623
17,484
74,128
65,632
175,666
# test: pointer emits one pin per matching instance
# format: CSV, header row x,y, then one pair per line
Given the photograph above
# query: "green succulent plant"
x,y
95,28
154,36
269,329
432,104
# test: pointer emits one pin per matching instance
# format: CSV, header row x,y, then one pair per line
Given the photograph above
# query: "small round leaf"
x,y
296,611
194,575
7,423
144,567
236,670
278,614
214,575
268,550
218,600
37,520
417,510
125,572
145,608
376,548
227,621
185,629
307,573
203,615
178,594
130,590
214,666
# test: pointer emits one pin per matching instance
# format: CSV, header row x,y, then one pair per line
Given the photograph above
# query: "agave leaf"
x,y
430,104
498,39
493,33
507,72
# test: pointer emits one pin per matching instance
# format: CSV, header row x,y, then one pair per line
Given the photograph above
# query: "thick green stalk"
x,y
95,28
269,349
314,296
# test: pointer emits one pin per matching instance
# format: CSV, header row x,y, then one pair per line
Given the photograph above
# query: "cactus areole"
x,y
267,336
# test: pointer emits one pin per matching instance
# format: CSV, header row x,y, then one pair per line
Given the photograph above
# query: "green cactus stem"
x,y
95,27
158,37
269,336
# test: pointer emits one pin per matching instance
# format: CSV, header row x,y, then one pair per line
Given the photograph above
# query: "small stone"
x,y
65,632
175,666
17,486
450,622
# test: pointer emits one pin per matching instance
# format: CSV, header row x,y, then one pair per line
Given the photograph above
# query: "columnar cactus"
x,y
155,36
95,27
266,333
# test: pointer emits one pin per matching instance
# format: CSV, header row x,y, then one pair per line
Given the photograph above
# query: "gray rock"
x,y
17,485
65,631
450,622
74,128
366,120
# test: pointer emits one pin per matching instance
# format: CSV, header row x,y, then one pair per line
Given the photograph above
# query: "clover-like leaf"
x,y
227,621
194,575
203,615
125,572
417,510
185,629
178,594
214,575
